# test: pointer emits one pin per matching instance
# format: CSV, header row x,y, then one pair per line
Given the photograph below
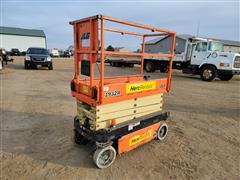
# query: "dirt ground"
x,y
37,113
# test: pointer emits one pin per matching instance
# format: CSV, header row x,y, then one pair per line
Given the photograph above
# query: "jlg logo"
x,y
85,35
85,39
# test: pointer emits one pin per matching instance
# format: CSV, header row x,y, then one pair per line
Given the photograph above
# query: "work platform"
x,y
117,113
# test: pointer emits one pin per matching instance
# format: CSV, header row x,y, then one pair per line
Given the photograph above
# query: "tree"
x,y
110,48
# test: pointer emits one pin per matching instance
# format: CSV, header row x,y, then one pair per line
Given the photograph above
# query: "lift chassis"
x,y
115,114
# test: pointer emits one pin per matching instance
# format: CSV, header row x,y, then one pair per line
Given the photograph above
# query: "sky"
x,y
215,19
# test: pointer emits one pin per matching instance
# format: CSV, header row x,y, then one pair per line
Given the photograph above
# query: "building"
x,y
231,46
163,44
22,39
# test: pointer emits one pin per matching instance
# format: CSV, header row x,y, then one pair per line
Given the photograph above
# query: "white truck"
x,y
55,52
203,57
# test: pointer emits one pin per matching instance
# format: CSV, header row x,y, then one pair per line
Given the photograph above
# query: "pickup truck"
x,y
36,57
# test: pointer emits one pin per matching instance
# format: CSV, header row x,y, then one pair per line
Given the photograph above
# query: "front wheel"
x,y
104,157
50,67
225,77
26,65
162,132
208,73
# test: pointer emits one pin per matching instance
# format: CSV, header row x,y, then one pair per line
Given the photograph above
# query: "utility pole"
x,y
198,27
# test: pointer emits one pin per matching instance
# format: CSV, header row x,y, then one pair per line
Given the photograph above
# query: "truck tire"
x,y
131,65
118,64
164,69
50,67
26,65
208,73
225,77
149,66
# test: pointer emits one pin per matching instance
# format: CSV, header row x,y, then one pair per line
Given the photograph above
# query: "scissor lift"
x,y
116,114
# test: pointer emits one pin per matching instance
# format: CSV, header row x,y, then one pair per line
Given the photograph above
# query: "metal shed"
x,y
22,39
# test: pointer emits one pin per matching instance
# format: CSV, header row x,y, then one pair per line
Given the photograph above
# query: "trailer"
x,y
115,114
123,61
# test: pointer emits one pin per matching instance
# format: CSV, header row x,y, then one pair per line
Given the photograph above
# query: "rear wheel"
x,y
208,73
104,157
164,69
225,77
149,66
79,139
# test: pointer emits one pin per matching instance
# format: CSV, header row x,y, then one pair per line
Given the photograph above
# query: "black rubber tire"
x,y
79,139
149,66
131,65
225,77
50,67
164,69
208,73
118,64
26,65
72,86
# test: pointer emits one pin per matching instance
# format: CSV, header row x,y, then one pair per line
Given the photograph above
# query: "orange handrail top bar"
x,y
89,45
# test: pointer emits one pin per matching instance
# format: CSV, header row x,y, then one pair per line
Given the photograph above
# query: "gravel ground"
x,y
37,113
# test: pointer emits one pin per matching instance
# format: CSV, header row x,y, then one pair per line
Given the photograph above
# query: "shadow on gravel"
x,y
21,67
16,66
223,111
194,77
44,137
